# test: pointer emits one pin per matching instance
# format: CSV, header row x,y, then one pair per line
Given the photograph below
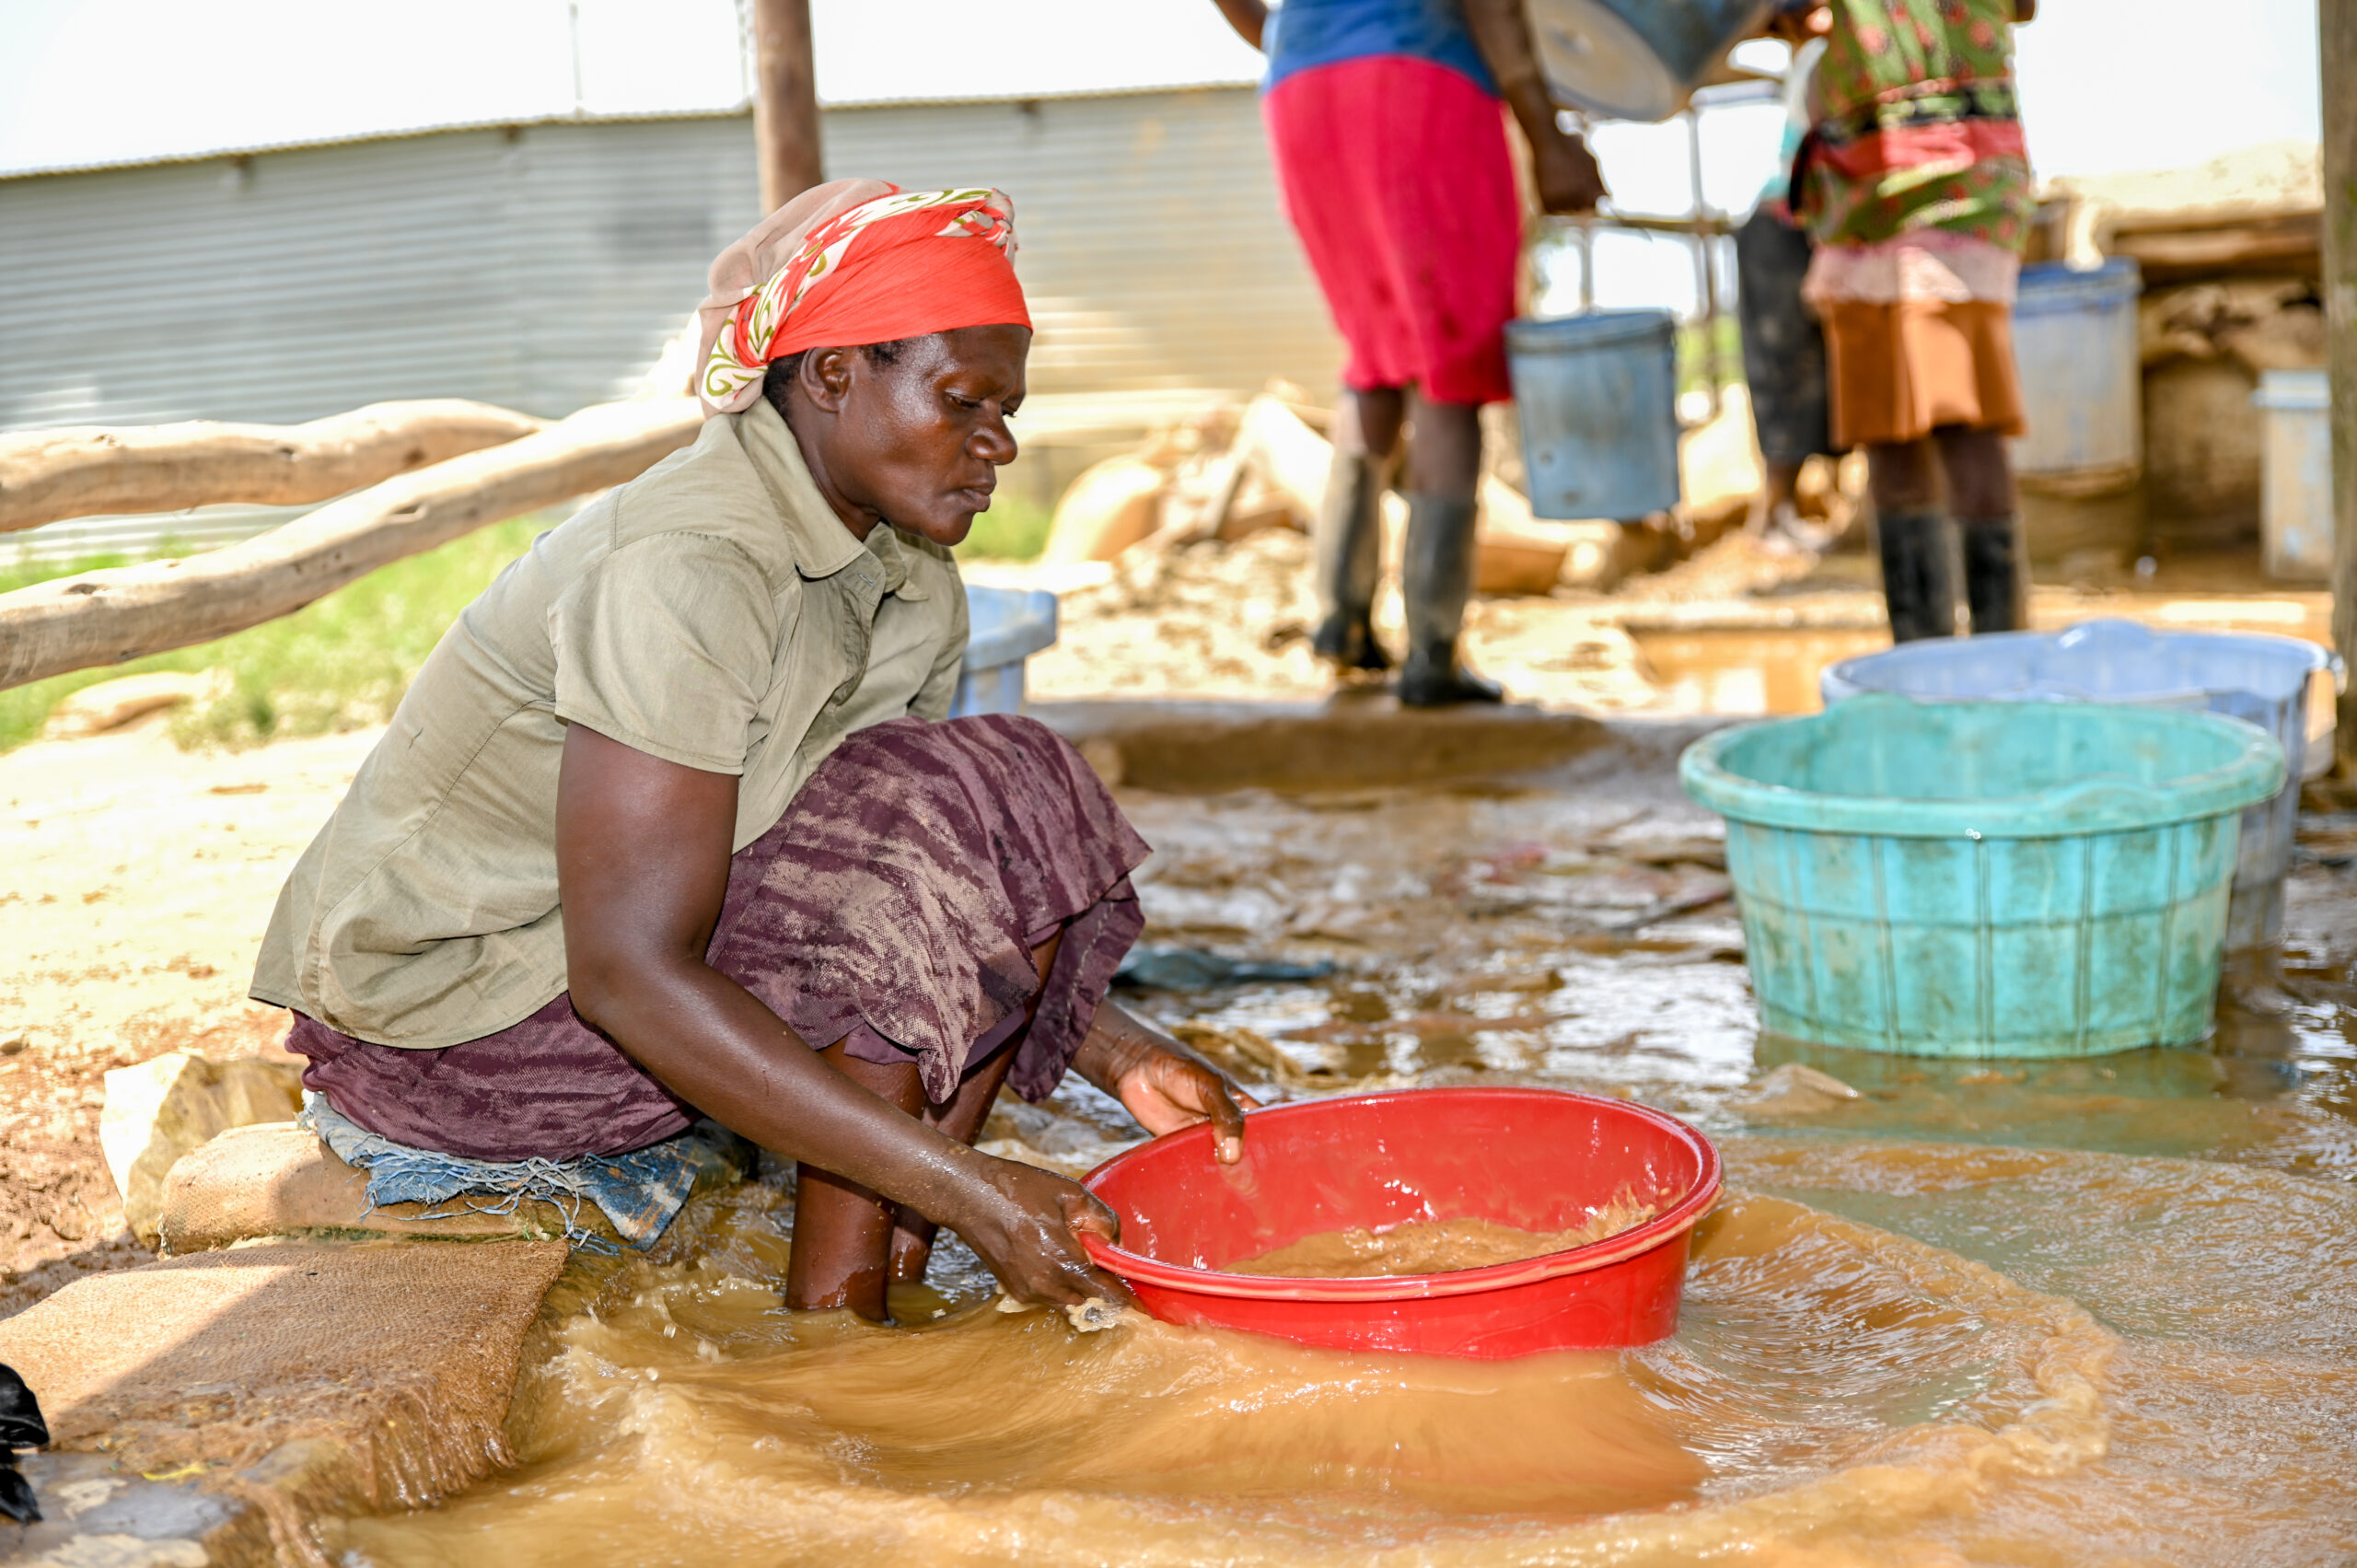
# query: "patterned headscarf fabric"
x,y
850,263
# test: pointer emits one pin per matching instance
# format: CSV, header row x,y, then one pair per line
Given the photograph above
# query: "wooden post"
x,y
785,102
2337,54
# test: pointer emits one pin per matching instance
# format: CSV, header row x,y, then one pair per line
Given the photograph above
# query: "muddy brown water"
x,y
2006,1313
1433,1246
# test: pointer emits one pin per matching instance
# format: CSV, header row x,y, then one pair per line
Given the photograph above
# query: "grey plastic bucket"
x,y
2295,474
1005,627
2251,676
1635,59
2081,372
1597,399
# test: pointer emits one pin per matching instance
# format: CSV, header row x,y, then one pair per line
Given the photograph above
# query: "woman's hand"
x,y
1160,1082
1567,175
1026,1223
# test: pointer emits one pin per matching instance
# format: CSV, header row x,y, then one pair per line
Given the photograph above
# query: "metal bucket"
x,y
1635,59
1597,399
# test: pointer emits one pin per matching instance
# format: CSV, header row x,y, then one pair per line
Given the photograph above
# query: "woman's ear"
x,y
826,376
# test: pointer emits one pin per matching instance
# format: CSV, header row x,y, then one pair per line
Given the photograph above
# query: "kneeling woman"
x,y
669,824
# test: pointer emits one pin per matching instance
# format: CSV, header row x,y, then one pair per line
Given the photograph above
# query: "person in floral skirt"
x,y
1914,184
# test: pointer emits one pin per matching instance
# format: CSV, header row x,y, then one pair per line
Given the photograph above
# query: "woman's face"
x,y
920,441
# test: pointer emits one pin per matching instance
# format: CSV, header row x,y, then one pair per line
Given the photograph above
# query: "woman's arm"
x,y
1564,170
1248,17
643,853
1160,1082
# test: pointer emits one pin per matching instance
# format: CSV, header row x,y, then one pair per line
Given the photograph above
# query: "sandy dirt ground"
x,y
1742,627
139,879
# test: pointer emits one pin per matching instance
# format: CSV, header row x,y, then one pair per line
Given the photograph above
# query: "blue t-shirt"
x,y
1303,33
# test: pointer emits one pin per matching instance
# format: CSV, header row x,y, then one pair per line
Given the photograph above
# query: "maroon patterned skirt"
x,y
893,908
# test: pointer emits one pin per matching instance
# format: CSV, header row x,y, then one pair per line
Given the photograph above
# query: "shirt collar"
x,y
822,545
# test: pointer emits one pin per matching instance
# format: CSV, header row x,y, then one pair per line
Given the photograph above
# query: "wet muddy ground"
x,y
1957,1312
2024,1312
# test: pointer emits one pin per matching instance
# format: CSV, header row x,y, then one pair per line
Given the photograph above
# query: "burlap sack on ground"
x,y
278,1179
159,1110
388,1365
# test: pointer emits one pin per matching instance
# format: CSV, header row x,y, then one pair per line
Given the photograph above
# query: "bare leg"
x,y
1780,483
1903,476
1444,449
962,1117
1367,425
1981,476
841,1230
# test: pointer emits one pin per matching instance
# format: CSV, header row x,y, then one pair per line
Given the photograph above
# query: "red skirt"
x,y
1394,173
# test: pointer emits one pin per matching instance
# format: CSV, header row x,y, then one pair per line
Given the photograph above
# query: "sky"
x,y
2107,84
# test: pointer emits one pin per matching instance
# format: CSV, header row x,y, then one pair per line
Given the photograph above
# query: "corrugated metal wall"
x,y
542,267
1153,249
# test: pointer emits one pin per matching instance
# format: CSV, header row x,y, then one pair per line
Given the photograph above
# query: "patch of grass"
x,y
1013,530
1694,339
336,665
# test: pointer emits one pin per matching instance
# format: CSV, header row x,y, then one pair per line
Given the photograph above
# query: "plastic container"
x,y
1635,59
2295,474
2083,381
2251,676
1006,626
1541,1160
2006,879
1596,396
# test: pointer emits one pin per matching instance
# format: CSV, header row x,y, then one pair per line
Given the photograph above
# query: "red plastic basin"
x,y
1540,1159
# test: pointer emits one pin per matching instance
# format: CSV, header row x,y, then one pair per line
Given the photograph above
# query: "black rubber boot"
x,y
20,1427
1917,585
1996,574
1436,579
1349,544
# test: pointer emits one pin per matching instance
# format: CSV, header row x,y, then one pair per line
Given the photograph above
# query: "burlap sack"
x,y
372,1373
277,1179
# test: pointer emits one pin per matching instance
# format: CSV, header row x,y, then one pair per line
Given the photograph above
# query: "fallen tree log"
x,y
103,618
48,475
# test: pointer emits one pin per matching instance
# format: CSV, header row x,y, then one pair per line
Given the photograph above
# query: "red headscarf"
x,y
854,261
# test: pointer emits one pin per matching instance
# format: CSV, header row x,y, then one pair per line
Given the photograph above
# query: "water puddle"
x,y
1716,671
1969,1312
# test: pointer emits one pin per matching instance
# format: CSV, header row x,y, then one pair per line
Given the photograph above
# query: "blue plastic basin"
x,y
1984,879
2245,675
1006,626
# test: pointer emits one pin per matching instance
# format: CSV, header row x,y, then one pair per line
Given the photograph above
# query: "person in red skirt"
x,y
1390,149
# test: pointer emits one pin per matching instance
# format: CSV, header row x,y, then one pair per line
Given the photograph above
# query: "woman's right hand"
x,y
1026,1223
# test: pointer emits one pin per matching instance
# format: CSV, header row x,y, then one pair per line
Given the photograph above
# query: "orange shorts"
x,y
1900,370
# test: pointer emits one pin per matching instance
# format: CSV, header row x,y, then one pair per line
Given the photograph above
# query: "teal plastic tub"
x,y
1984,879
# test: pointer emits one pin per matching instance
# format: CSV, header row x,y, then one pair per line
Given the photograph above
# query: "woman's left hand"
x,y
1160,1082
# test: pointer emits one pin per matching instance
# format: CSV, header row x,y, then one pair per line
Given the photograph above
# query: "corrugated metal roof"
x,y
542,266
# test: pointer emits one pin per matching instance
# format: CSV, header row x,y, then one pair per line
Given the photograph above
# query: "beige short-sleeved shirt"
x,y
714,611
